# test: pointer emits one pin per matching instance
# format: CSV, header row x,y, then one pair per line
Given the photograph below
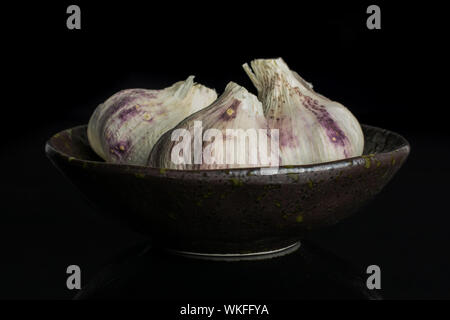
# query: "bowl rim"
x,y
51,150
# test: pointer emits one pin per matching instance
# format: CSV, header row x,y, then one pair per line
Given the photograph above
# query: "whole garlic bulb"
x,y
230,133
312,128
126,126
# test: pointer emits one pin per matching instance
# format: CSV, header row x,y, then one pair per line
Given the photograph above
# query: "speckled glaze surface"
x,y
229,211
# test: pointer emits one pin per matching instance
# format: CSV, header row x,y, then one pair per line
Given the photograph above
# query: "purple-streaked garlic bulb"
x,y
126,126
230,133
312,128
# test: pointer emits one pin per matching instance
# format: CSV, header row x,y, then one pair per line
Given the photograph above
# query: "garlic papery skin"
x,y
312,128
126,126
230,133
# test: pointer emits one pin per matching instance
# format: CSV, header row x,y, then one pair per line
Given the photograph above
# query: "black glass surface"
x,y
145,272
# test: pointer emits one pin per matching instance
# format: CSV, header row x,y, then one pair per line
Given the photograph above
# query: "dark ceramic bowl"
x,y
229,211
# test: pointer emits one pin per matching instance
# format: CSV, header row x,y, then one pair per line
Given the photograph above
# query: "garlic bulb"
x,y
126,126
312,128
230,133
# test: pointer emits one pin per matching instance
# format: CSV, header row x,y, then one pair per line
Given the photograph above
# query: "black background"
x,y
392,78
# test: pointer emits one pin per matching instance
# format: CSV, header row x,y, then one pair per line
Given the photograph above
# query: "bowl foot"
x,y
237,256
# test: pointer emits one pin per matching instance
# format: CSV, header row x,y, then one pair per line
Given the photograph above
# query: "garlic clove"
x,y
312,128
230,133
126,126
